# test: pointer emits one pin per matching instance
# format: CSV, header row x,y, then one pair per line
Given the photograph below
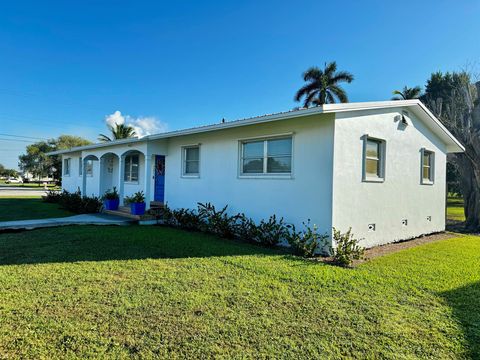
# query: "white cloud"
x,y
143,125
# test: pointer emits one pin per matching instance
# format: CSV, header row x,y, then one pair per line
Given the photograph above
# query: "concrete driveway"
x,y
20,191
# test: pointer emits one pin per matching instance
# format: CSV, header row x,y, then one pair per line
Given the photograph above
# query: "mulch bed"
x,y
386,249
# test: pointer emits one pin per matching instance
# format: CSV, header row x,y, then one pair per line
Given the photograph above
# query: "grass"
x,y
149,291
25,208
455,209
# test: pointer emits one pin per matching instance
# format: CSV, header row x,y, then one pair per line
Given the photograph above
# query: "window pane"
x,y
253,166
281,164
191,167
371,167
426,173
192,153
426,158
253,149
279,147
372,149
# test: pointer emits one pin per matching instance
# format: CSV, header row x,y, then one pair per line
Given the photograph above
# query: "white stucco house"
x,y
378,167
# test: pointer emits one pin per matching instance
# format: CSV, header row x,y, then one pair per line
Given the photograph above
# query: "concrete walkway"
x,y
84,219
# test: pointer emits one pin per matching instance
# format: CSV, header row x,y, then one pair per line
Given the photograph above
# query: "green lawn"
x,y
152,291
24,208
455,209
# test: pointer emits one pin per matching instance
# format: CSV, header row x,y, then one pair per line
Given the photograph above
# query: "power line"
x,y
22,136
16,140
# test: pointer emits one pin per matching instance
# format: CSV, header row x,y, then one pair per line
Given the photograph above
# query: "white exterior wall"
x,y
73,181
401,196
307,195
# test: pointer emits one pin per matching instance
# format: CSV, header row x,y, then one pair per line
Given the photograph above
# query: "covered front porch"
x,y
129,171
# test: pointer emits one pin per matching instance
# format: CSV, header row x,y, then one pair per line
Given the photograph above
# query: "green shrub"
x,y
308,242
271,232
52,196
75,202
138,197
187,219
217,222
245,228
346,248
110,194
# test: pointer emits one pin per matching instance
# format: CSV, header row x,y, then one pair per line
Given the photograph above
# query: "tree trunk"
x,y
470,191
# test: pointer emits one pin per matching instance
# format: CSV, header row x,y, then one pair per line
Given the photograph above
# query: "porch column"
x,y
121,180
84,178
148,180
101,179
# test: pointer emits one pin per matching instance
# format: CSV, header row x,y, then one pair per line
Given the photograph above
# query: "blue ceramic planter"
x,y
111,204
137,208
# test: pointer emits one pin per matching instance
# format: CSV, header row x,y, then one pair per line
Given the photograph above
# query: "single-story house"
x,y
377,167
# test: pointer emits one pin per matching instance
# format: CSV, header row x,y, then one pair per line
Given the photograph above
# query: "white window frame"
x,y
80,166
431,179
127,175
67,166
381,160
184,173
88,168
265,174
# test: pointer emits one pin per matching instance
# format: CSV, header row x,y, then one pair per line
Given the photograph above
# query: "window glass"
x,y
191,164
427,167
80,165
89,167
66,165
131,168
269,156
279,147
253,149
373,159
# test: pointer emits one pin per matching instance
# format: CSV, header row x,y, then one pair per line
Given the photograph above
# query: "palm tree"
x,y
322,85
119,131
407,93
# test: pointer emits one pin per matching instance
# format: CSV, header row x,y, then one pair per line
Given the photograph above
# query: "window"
x,y
428,159
131,168
89,168
80,166
66,167
268,156
191,160
373,160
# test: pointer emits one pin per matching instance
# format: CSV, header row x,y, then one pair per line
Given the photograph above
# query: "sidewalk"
x,y
84,219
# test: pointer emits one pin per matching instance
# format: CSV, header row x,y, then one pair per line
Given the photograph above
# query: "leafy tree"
x,y
36,162
322,86
407,93
119,131
455,101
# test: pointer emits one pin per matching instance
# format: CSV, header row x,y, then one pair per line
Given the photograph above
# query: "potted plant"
x,y
137,203
111,199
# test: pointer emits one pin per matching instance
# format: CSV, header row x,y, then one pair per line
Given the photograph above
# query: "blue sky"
x,y
65,66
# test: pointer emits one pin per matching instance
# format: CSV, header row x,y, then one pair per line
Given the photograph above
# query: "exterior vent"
x,y
371,227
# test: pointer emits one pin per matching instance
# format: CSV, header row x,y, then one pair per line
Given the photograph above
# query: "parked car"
x,y
13,181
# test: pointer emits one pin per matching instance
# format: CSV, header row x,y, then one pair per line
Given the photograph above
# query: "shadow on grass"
x,y
465,304
102,243
19,208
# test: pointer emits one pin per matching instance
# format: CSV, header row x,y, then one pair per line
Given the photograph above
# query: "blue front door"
x,y
159,178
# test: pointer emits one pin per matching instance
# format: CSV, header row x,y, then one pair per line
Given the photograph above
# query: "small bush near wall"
x,y
346,249
308,242
74,202
217,222
271,232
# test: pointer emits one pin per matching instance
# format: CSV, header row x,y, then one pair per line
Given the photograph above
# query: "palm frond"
x,y
104,138
313,73
305,90
339,93
342,76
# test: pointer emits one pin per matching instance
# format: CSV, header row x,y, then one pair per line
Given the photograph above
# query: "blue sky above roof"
x,y
64,67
